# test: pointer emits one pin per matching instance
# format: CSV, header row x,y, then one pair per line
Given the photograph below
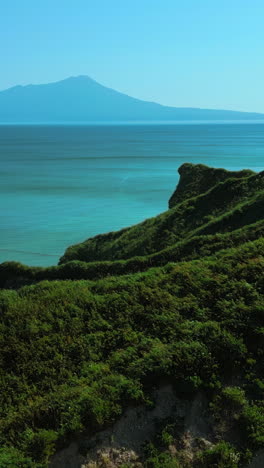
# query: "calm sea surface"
x,y
62,184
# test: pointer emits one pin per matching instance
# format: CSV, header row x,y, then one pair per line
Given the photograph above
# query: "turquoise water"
x,y
62,184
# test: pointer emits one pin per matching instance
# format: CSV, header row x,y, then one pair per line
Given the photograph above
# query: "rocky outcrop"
x,y
197,178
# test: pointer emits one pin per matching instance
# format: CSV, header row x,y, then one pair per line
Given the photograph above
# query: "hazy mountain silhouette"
x,y
81,99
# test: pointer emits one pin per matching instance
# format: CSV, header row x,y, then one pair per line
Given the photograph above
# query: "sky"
x,y
185,53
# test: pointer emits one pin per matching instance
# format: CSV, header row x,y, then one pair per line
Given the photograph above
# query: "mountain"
x,y
143,348
81,99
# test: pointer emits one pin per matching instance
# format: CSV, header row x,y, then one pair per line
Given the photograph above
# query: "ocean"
x,y
61,184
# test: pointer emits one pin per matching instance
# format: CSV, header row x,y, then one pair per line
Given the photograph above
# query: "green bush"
x,y
159,459
222,455
253,424
13,458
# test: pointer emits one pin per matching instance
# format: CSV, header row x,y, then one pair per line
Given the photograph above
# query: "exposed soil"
x,y
123,442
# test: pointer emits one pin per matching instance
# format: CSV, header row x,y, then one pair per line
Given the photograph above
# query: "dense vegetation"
x,y
178,297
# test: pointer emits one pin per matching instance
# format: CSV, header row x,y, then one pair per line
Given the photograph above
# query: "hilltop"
x,y
144,347
82,99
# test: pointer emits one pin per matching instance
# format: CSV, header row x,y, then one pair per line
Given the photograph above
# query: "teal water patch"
x,y
62,184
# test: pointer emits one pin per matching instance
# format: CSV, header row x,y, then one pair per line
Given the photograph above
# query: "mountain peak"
x,y
78,78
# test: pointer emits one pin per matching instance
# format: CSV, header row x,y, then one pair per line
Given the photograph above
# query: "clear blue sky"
x,y
201,53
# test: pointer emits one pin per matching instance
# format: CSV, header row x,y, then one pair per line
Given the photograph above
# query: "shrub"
x,y
222,455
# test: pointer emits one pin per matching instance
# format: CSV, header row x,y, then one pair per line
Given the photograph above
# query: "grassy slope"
x,y
221,200
226,214
74,353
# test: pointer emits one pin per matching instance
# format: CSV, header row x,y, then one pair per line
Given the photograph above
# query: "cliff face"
x,y
197,178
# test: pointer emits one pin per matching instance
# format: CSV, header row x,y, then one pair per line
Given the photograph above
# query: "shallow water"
x,y
62,184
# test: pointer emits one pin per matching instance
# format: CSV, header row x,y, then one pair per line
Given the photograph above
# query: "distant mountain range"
x,y
81,99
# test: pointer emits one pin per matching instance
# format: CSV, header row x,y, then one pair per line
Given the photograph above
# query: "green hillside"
x,y
176,299
226,206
